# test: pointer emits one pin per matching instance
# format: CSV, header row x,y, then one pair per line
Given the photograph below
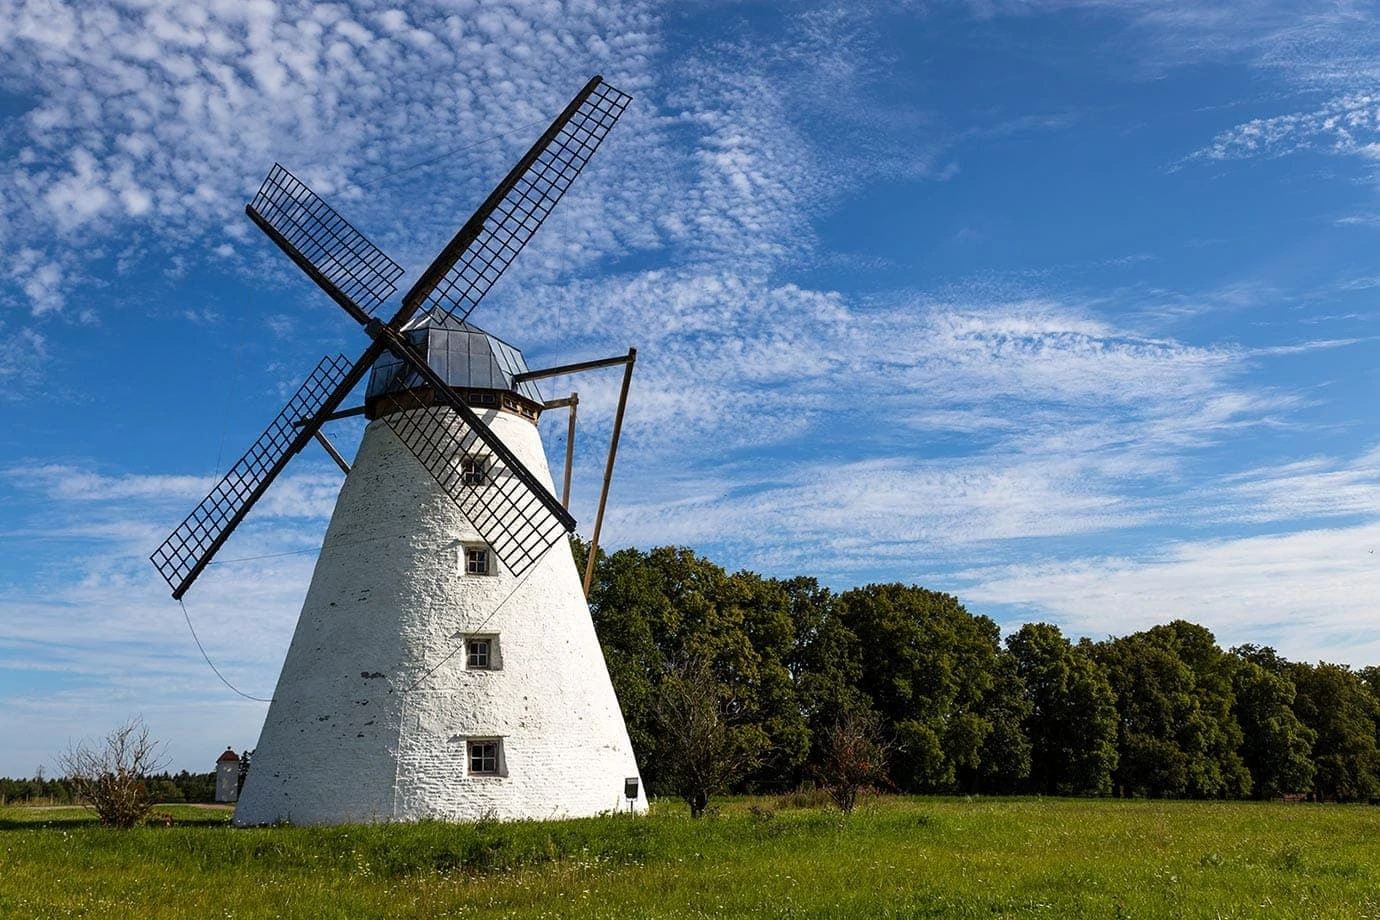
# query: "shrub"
x,y
110,776
855,758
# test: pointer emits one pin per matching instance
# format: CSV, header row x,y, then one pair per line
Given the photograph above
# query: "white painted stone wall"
x,y
374,706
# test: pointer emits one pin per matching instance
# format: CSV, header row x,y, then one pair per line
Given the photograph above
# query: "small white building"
x,y
228,776
424,680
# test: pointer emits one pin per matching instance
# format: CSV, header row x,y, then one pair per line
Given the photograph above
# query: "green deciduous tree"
x,y
1336,704
1005,756
1276,746
1072,724
1216,769
653,610
1177,734
927,664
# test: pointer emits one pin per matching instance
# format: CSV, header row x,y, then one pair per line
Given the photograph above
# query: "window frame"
x,y
495,656
481,553
477,647
474,470
474,747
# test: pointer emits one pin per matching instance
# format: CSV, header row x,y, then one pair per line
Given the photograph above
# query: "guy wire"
x,y
415,684
188,617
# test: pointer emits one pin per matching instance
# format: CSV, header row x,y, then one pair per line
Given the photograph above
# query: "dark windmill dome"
x,y
480,367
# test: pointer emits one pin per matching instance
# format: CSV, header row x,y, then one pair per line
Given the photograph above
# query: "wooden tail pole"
x,y
569,402
608,468
335,454
569,451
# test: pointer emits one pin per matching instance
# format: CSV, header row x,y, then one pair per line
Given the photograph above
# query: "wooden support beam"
x,y
574,402
577,368
335,454
629,361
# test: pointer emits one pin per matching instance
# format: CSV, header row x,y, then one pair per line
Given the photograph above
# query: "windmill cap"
x,y
228,757
465,356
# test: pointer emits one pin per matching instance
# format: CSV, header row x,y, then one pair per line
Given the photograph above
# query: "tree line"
x,y
734,682
162,787
788,665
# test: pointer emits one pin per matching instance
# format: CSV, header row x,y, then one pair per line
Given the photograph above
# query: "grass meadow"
x,y
893,858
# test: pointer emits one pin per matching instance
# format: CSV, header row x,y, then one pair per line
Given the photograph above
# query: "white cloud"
x,y
40,278
22,354
1310,593
1318,44
1318,487
144,116
1346,125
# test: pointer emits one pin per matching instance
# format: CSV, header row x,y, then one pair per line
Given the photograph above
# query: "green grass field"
x,y
897,857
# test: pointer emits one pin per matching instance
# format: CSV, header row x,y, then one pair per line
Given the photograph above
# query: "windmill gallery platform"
x,y
424,680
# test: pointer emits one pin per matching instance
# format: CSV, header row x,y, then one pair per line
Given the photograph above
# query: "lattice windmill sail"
x,y
347,266
451,464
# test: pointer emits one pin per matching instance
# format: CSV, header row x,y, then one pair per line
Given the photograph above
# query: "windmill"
x,y
444,664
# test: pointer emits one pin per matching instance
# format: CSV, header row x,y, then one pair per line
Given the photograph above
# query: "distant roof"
x,y
228,755
463,354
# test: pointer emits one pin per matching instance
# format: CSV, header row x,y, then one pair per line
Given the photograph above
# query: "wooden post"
x,y
572,401
569,451
330,449
608,468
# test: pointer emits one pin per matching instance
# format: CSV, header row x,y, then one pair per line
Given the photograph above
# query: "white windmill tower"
x,y
444,664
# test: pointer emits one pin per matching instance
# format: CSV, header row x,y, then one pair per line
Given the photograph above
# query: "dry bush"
x,y
109,775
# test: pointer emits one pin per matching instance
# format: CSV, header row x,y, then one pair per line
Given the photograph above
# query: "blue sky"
x,y
1064,307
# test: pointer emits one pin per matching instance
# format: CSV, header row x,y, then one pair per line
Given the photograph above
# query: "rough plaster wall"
x,y
374,705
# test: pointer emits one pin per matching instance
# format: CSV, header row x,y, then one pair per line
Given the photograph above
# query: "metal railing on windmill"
x,y
407,358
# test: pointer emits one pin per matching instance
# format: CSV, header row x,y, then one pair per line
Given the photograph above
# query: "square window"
x,y
479,653
484,758
473,471
477,560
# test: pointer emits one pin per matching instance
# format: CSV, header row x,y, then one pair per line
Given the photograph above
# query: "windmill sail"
x,y
189,548
509,514
493,236
515,513
325,245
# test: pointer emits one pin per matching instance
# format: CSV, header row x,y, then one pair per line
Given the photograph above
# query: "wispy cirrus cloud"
x,y
1071,423
22,353
1318,487
1313,44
